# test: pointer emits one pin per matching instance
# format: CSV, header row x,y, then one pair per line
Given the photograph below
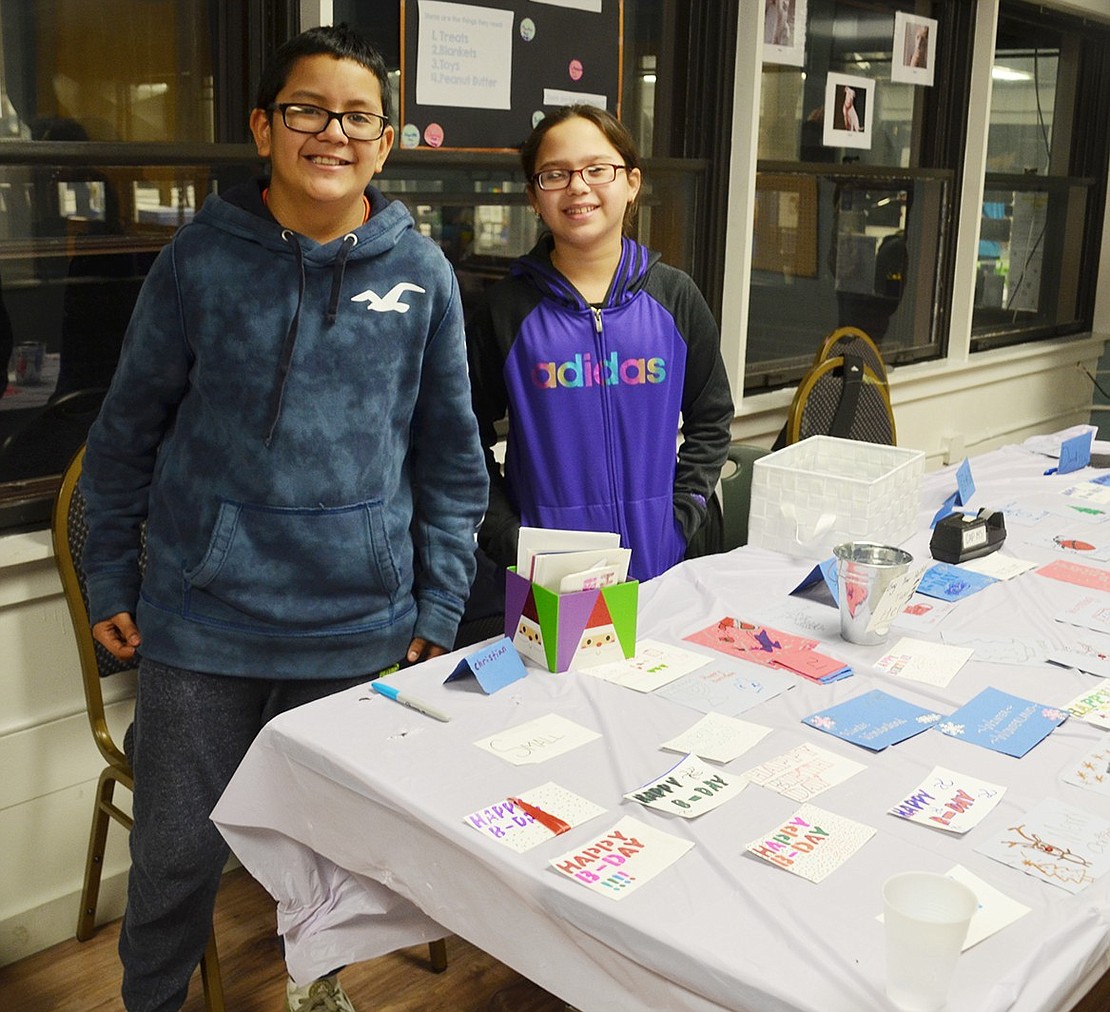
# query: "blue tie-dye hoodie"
x,y
293,421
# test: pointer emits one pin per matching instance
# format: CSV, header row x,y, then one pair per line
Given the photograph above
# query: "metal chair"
x,y
845,393
70,529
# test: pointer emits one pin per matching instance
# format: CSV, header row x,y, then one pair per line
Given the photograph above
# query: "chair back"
x,y
736,493
69,529
844,394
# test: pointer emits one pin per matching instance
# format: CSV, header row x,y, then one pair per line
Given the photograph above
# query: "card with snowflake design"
x,y
1002,722
873,720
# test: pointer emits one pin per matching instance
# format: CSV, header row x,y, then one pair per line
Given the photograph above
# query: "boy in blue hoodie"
x,y
291,420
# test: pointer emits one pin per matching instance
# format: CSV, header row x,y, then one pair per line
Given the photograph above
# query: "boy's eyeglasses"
x,y
311,119
592,175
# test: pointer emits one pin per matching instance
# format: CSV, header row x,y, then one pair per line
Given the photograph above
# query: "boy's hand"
x,y
119,636
421,650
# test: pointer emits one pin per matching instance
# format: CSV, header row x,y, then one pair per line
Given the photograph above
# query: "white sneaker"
x,y
323,995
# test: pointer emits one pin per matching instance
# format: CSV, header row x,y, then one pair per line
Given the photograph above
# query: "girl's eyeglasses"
x,y
592,175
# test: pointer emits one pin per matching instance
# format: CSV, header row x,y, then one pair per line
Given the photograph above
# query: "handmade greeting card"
x,y
1089,612
998,566
718,737
688,789
873,720
761,644
654,664
1007,724
811,843
1088,651
924,661
1055,842
949,800
1091,770
952,583
803,772
493,667
1088,492
922,614
620,861
537,740
1093,707
727,687
533,817
1095,577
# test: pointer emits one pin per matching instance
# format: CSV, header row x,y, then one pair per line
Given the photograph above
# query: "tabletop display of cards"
x,y
708,824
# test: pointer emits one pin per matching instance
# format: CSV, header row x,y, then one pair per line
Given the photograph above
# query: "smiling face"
x,y
583,217
321,175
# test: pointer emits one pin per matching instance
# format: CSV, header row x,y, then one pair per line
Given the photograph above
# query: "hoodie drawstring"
x,y
350,240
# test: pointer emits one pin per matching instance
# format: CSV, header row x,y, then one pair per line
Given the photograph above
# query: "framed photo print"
x,y
784,31
914,51
849,109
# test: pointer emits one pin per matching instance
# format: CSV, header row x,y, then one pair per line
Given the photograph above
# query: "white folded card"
x,y
535,540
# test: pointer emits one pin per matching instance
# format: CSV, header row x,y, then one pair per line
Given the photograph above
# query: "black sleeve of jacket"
x,y
707,409
489,334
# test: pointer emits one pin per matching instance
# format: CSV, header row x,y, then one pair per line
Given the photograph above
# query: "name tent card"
x,y
494,666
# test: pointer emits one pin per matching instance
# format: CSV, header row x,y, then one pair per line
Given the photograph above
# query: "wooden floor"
x,y
84,976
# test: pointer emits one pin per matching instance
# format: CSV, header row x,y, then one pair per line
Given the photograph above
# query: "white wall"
x,y
965,403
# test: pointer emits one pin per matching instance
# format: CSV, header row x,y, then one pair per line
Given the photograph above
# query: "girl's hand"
x,y
118,635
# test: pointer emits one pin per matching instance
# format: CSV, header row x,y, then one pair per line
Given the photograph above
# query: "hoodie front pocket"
x,y
298,568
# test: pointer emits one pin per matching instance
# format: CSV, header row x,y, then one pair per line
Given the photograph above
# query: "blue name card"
x,y
494,666
965,489
1075,452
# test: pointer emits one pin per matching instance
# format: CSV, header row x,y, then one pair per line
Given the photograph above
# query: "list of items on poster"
x,y
465,56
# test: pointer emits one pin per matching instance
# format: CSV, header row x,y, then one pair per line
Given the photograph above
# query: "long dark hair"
x,y
615,132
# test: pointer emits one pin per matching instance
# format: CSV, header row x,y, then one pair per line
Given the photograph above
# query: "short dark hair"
x,y
340,41
616,133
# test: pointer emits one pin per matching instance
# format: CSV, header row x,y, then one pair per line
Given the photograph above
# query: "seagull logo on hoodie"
x,y
391,301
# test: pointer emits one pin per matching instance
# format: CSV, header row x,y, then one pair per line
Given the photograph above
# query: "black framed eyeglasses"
x,y
311,119
592,175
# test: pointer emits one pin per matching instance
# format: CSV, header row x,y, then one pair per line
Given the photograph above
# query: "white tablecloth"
x,y
350,811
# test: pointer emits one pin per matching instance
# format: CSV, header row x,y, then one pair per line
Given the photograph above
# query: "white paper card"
x,y
718,738
689,788
924,661
803,772
811,843
654,664
537,740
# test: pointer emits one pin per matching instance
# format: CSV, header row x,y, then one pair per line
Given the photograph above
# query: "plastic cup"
x,y
863,572
926,917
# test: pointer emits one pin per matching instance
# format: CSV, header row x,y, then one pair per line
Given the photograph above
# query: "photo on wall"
x,y
849,109
914,51
784,32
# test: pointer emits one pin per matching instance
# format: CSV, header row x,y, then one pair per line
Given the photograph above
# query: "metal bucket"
x,y
863,573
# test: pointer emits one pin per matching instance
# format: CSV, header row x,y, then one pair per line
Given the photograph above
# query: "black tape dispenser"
x,y
960,537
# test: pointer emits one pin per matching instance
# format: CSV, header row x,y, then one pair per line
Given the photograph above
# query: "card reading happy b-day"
x,y
949,800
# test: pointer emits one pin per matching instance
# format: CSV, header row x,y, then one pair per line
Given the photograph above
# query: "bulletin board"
x,y
479,76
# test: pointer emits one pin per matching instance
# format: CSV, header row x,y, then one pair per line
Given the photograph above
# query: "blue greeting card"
x,y
1007,724
952,583
494,666
874,720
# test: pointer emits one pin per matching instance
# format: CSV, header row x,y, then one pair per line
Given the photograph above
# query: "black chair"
x,y
736,493
47,441
70,529
844,394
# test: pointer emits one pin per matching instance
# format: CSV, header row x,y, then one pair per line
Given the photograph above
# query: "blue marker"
x,y
413,704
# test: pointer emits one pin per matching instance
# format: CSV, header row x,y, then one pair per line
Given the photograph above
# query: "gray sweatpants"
x,y
191,731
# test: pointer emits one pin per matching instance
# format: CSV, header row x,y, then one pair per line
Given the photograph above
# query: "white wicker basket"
x,y
823,491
